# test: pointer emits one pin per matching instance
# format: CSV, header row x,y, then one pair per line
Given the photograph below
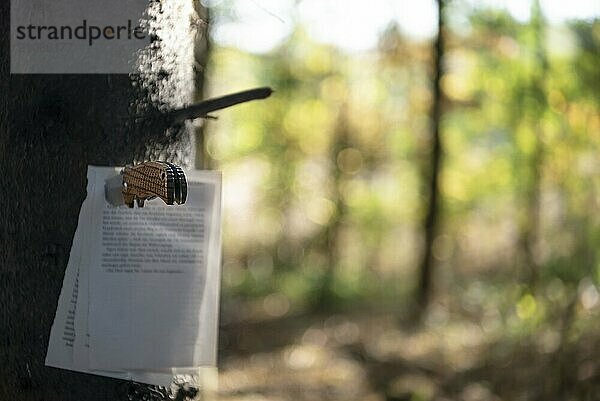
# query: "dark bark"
x,y
51,128
430,226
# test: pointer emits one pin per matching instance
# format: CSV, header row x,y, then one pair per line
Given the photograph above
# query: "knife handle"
x,y
151,180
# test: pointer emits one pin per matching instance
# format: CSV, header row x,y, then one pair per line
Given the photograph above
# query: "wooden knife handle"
x,y
150,180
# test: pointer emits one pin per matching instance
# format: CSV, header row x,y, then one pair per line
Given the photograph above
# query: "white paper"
x,y
61,343
141,310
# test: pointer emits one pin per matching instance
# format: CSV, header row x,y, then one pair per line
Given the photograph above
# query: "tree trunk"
x,y
202,48
430,225
532,203
51,128
329,239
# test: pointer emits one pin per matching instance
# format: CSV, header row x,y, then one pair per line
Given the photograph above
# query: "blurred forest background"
x,y
414,218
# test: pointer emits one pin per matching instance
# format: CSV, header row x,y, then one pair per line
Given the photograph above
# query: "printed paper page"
x,y
149,308
69,349
63,334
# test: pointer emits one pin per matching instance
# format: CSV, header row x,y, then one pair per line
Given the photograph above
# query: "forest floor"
x,y
375,357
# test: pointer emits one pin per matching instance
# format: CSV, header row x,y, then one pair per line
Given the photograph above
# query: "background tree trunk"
x,y
330,237
530,233
432,216
51,128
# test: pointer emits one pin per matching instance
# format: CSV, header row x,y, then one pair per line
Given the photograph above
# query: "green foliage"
x,y
323,188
